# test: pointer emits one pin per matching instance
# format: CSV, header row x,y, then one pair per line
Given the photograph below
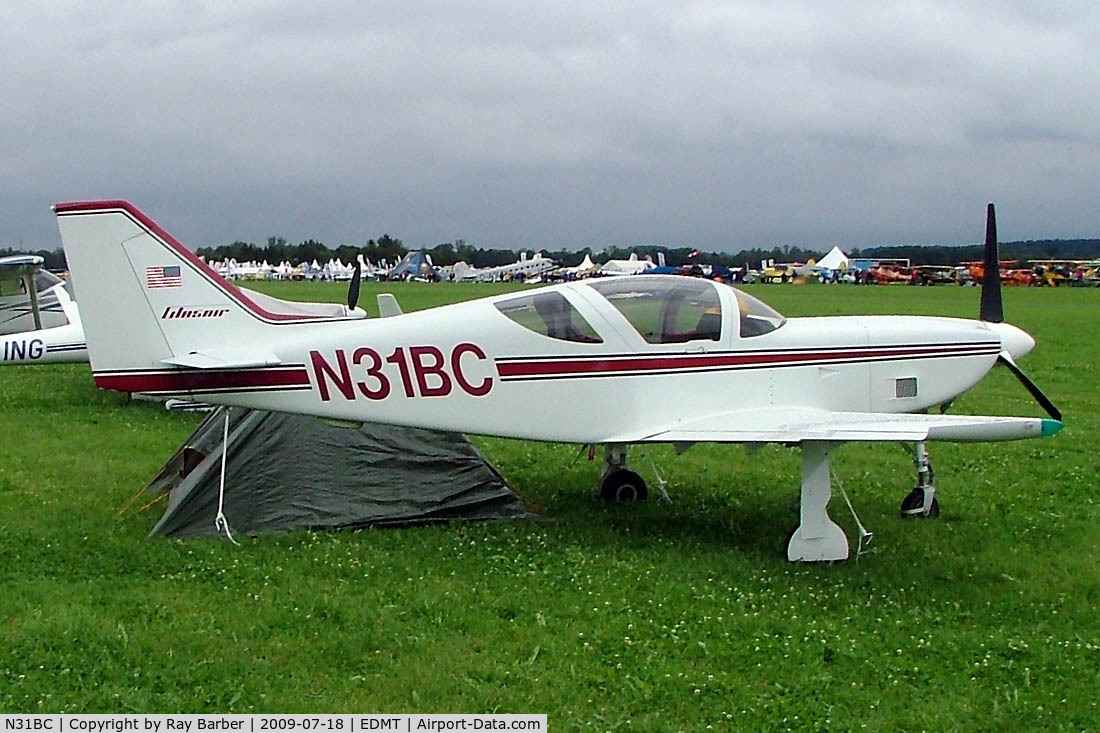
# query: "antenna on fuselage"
x,y
991,310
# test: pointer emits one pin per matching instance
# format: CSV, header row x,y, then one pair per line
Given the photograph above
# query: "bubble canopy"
x,y
680,309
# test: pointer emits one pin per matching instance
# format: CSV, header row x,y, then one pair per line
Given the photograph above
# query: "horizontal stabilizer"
x,y
223,359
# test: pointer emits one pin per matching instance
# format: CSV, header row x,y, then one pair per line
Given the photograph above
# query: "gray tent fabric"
x,y
286,472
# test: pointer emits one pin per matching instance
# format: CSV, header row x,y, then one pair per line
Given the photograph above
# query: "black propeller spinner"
x,y
992,311
353,288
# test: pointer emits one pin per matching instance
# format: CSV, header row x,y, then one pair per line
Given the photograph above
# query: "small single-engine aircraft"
x,y
40,323
590,352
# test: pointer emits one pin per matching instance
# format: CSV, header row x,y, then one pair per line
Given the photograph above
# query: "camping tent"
x,y
835,260
287,472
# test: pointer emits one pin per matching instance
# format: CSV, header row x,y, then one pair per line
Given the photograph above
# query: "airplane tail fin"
x,y
153,311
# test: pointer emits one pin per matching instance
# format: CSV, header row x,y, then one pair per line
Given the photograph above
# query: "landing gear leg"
x,y
921,501
817,538
618,482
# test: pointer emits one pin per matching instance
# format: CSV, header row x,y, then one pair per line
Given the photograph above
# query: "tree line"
x,y
391,249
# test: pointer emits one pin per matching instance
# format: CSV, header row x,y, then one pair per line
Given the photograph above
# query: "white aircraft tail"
x,y
154,314
462,271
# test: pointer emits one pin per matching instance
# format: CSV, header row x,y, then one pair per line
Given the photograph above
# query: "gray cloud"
x,y
714,124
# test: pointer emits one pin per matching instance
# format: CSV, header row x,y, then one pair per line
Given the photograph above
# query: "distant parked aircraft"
x,y
632,266
525,268
40,322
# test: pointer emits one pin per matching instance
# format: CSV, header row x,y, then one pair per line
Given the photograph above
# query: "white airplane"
x,y
592,352
40,322
527,268
632,266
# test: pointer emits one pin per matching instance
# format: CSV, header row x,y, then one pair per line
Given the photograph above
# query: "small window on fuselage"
x,y
757,317
550,314
664,310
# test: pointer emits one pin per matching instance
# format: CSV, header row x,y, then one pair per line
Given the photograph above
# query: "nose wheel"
x,y
913,505
623,485
921,502
619,483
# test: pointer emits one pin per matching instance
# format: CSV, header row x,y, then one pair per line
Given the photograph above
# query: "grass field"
x,y
662,616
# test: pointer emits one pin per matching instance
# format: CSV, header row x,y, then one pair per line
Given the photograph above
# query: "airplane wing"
x,y
16,266
790,425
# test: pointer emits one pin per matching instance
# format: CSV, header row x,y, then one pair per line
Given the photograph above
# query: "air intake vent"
x,y
906,387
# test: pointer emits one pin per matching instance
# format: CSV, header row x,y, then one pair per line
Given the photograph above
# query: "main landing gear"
x,y
618,482
817,537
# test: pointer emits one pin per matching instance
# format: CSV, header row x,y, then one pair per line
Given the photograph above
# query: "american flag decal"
x,y
163,277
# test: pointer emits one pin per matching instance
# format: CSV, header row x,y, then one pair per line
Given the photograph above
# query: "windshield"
x,y
665,310
757,317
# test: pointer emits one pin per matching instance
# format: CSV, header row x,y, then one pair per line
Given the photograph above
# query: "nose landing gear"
x,y
618,482
921,502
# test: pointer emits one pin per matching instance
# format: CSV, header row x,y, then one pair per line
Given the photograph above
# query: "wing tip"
x,y
1051,427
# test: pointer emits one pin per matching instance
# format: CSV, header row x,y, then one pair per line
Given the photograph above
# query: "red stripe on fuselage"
x,y
597,366
203,380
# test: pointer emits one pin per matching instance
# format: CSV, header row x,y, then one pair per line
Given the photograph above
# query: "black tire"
x,y
912,505
623,485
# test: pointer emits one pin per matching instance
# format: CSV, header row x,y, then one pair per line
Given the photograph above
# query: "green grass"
x,y
653,617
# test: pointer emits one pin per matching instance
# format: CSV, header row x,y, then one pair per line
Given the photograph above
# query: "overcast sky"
x,y
519,124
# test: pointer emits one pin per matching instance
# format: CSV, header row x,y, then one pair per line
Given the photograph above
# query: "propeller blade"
x,y
1033,388
353,288
991,310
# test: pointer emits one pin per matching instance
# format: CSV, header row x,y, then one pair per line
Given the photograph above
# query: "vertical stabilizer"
x,y
106,247
150,305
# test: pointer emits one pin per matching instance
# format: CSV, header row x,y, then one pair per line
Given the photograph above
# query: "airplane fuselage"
x,y
469,367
